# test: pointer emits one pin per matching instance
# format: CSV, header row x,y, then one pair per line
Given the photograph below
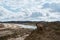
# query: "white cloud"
x,y
53,1
22,10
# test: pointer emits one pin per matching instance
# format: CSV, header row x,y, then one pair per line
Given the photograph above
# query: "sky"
x,y
30,10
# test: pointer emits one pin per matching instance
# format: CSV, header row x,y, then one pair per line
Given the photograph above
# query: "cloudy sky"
x,y
29,10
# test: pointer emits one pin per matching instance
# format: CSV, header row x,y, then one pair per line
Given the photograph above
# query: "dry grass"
x,y
45,31
13,32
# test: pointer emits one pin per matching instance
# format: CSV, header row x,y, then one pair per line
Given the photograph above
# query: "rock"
x,y
45,31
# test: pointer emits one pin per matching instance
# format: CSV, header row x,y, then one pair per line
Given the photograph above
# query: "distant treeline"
x,y
29,22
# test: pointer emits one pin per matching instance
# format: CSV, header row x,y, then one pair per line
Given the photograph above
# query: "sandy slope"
x,y
13,32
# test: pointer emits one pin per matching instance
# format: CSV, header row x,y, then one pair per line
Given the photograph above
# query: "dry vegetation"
x,y
13,32
45,31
